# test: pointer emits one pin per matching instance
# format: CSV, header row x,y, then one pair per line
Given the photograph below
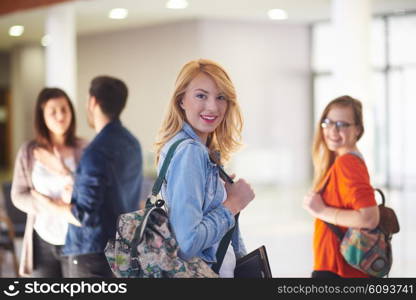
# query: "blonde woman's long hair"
x,y
322,157
227,136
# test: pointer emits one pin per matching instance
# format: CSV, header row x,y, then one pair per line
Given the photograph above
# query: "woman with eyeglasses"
x,y
342,194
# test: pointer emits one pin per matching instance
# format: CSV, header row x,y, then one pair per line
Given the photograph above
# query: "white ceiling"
x,y
91,15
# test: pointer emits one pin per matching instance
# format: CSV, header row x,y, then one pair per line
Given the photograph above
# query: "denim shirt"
x,y
107,183
194,193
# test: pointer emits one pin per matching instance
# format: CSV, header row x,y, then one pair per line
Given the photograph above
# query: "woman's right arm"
x,y
21,188
366,217
354,184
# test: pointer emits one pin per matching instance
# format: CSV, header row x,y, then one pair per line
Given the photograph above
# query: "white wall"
x,y
148,60
27,72
268,63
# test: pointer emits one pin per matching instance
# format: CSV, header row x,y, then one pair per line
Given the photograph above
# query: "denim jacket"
x,y
107,183
194,193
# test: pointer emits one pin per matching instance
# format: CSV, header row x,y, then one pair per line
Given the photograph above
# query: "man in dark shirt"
x,y
107,181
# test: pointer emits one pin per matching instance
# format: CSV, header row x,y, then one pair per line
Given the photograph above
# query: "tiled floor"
x,y
276,219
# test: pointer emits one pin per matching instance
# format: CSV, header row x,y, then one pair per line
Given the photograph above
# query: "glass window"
x,y
323,50
395,132
323,93
402,127
322,47
402,40
380,128
378,40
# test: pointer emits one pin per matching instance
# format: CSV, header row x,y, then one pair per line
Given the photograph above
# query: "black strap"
x,y
383,198
159,181
226,240
223,246
335,229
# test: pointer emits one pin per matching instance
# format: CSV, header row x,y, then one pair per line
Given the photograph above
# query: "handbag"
x,y
145,246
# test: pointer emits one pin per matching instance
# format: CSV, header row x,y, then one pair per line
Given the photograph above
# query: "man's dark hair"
x,y
111,94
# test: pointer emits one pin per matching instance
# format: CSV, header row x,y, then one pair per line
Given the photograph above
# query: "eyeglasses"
x,y
339,125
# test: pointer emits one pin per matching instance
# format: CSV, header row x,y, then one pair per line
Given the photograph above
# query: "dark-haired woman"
x,y
43,172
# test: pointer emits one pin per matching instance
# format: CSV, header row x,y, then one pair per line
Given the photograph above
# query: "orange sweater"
x,y
349,188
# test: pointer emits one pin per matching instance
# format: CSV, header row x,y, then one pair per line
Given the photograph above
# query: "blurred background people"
x,y
44,171
108,181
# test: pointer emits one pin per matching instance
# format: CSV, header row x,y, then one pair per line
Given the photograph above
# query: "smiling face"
x,y
344,138
204,105
57,115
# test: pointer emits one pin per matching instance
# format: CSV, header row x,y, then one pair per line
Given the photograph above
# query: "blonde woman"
x,y
203,110
342,194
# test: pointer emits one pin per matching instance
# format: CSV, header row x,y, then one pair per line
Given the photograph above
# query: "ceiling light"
x,y
176,4
118,13
277,14
16,30
45,40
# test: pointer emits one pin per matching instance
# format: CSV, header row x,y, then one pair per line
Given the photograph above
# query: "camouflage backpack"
x,y
144,245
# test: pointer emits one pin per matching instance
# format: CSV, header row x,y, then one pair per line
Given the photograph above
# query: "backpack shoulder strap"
x,y
159,181
335,229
